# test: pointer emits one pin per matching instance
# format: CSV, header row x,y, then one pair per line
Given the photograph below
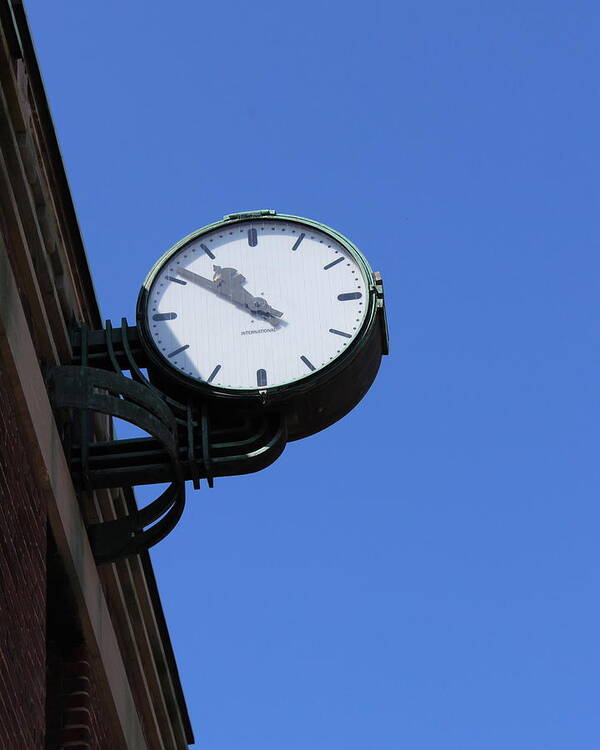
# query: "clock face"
x,y
256,304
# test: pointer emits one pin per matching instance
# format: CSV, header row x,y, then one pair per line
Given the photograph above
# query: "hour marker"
x,y
164,316
307,362
213,373
333,263
178,351
177,281
340,333
349,295
208,251
261,378
298,241
252,237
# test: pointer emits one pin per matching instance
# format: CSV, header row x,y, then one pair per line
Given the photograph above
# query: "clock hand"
x,y
235,294
197,279
229,282
223,285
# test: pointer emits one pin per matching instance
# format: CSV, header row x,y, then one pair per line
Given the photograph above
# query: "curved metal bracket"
x,y
91,389
192,440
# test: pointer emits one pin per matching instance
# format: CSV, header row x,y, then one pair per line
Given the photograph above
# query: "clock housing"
x,y
265,309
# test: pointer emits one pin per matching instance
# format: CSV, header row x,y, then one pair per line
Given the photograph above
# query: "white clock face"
x,y
256,304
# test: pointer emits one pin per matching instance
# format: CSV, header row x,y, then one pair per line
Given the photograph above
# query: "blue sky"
x,y
424,574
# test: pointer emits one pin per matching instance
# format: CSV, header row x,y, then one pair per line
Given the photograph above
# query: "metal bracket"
x,y
90,389
191,440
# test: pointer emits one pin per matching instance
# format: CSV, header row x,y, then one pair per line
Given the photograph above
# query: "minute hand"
x,y
198,280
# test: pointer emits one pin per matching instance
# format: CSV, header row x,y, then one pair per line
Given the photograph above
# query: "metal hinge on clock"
x,y
385,339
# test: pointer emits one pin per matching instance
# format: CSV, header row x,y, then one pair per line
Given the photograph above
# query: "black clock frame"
x,y
312,402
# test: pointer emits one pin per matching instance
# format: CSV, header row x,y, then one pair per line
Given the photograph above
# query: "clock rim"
x,y
272,393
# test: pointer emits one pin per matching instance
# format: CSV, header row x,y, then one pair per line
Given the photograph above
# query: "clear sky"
x,y
425,574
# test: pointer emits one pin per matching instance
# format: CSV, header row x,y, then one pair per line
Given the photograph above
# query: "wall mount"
x,y
191,440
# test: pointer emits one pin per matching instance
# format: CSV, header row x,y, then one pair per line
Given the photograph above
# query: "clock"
x,y
266,308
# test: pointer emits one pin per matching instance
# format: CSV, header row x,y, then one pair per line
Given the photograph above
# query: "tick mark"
x,y
298,241
213,373
178,351
177,281
349,295
208,252
164,316
307,362
340,333
261,378
252,237
333,263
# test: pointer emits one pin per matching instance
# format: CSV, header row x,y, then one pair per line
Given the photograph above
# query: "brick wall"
x,y
77,718
77,715
50,696
22,589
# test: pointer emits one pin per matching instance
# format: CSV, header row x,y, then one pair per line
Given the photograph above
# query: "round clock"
x,y
266,308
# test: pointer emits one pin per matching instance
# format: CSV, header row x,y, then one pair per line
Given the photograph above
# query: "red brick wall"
x,y
77,717
50,689
22,589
